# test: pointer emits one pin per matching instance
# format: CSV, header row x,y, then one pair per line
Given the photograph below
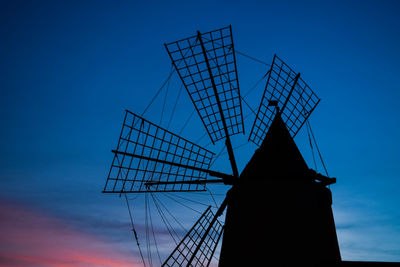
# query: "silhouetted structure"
x,y
278,210
287,217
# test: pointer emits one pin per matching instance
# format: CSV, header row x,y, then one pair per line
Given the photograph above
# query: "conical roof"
x,y
277,157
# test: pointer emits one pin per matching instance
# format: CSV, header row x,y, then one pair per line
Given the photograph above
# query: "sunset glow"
x,y
30,237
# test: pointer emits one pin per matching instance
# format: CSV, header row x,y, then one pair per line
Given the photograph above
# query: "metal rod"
x,y
187,89
219,213
213,181
226,177
264,93
228,140
216,243
237,78
153,191
187,234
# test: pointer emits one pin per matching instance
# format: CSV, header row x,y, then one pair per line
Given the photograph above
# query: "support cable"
x,y
217,156
134,230
308,127
243,54
186,122
319,153
186,206
133,227
170,214
205,193
154,236
256,84
164,102
162,86
311,146
252,58
165,221
174,108
201,137
248,105
159,90
148,245
235,148
194,201
212,196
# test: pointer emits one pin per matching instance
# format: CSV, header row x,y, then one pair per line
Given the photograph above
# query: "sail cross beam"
x,y
149,154
228,140
290,94
201,75
226,178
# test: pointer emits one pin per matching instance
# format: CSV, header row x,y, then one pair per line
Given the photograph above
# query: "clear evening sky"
x,y
69,69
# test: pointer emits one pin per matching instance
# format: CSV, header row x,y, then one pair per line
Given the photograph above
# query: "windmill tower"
x,y
278,211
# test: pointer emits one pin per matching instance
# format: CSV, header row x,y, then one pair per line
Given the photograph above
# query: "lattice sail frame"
x,y
136,165
185,250
298,103
188,59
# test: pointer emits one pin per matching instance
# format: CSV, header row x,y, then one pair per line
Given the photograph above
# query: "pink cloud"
x,y
33,238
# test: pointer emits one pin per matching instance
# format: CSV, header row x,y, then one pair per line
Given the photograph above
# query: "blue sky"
x,y
71,68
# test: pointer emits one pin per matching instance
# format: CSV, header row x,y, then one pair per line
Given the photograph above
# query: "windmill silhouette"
x,y
278,211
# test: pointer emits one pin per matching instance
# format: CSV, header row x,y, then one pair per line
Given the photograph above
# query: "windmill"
x,y
276,207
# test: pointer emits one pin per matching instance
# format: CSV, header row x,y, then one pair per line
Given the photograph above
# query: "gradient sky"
x,y
69,69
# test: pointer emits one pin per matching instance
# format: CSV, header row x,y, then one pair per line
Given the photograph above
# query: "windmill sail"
x,y
198,246
206,65
149,158
293,97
